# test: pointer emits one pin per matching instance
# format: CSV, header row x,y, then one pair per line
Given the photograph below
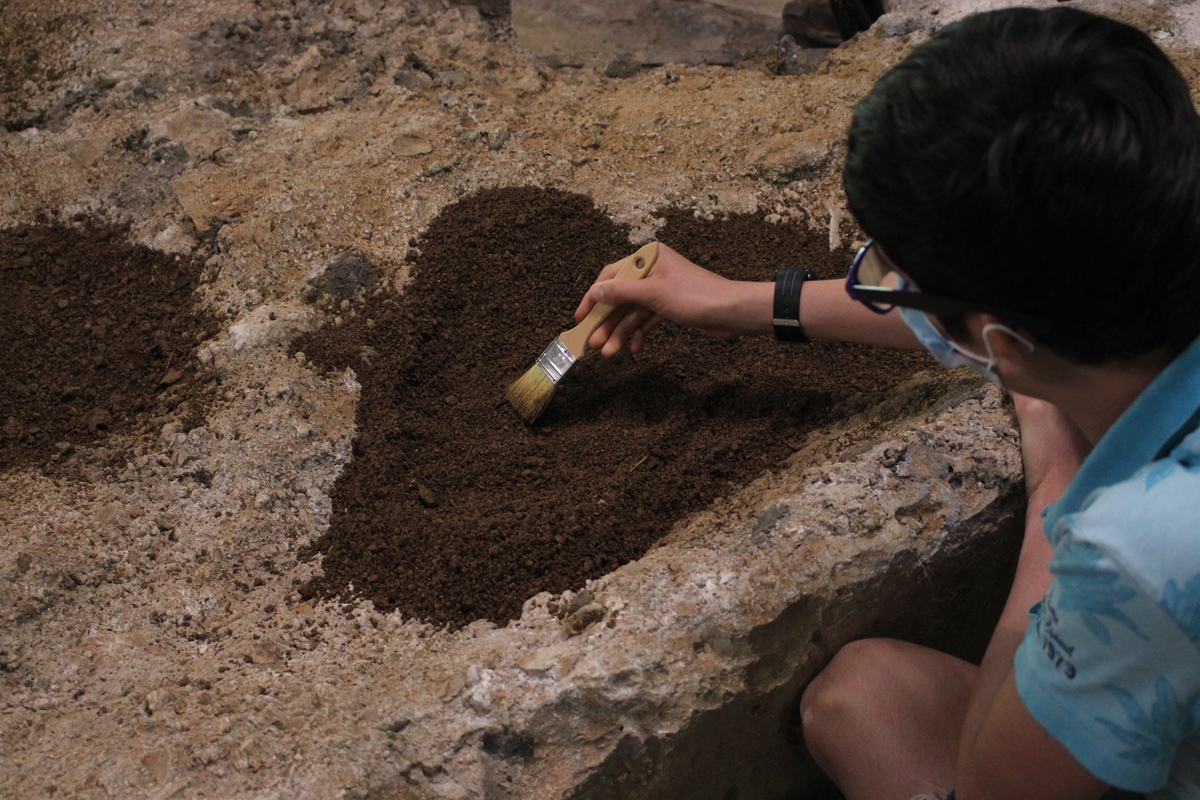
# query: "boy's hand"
x,y
679,291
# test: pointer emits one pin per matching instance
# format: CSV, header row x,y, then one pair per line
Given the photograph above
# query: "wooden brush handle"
x,y
634,267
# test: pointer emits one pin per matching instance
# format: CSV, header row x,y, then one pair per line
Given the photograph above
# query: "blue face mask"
x,y
950,354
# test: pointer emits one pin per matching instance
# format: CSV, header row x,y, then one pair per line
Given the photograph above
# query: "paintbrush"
x,y
531,393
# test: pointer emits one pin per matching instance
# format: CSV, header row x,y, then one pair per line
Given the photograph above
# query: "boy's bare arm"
x,y
1004,752
682,292
1012,757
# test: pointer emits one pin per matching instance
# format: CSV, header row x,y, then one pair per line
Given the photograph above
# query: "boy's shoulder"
x,y
1149,522
1145,528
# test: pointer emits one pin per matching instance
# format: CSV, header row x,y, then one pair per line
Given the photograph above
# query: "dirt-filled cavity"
x,y
453,509
98,337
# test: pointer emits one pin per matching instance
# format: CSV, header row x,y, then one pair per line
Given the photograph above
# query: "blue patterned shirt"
x,y
1110,664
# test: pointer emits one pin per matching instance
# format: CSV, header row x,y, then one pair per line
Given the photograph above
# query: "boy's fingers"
x,y
598,293
590,298
605,333
637,340
609,271
585,305
640,295
612,347
617,293
598,338
628,324
602,333
652,323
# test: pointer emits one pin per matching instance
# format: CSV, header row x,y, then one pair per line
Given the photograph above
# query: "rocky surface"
x,y
152,641
625,34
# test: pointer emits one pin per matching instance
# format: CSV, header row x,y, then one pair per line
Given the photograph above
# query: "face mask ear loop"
x,y
994,362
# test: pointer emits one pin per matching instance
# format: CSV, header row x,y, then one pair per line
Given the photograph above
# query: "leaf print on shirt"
x,y
1184,606
1090,590
1153,737
1158,472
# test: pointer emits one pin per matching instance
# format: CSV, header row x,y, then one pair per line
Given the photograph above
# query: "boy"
x,y
1032,183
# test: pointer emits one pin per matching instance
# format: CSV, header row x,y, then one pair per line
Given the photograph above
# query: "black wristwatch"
x,y
788,283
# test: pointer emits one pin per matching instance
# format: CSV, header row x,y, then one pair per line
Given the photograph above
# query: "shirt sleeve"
x,y
1107,670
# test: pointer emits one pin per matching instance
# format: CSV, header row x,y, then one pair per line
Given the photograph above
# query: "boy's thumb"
x,y
617,293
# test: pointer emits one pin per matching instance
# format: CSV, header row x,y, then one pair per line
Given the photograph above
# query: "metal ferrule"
x,y
556,360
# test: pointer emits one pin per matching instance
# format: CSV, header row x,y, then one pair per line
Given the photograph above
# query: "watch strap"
x,y
788,283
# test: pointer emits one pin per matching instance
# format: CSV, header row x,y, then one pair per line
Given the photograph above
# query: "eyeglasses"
x,y
875,282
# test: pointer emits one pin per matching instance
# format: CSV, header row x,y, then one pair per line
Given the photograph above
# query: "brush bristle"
x,y
531,393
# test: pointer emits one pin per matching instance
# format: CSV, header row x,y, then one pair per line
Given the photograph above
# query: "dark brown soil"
x,y
454,509
33,38
98,336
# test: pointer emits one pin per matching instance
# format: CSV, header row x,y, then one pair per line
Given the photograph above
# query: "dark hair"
x,y
1044,162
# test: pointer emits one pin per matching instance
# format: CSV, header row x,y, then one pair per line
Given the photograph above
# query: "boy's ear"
x,y
1010,347
974,323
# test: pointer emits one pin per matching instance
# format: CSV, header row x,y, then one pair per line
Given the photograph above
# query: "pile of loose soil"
x,y
98,337
454,509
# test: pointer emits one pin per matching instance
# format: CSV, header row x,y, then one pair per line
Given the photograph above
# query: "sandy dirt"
x,y
153,638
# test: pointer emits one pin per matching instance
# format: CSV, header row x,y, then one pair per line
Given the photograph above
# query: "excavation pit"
x,y
454,509
155,636
759,519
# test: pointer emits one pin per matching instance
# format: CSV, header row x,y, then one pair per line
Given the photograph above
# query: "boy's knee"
x,y
845,693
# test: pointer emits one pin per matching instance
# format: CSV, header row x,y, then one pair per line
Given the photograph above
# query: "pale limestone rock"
x,y
310,59
85,152
201,130
278,388
581,619
408,146
270,324
766,8
786,157
172,239
539,662
643,31
158,764
160,700
498,135
900,24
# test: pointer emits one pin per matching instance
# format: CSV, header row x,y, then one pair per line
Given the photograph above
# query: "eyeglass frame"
x,y
873,296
